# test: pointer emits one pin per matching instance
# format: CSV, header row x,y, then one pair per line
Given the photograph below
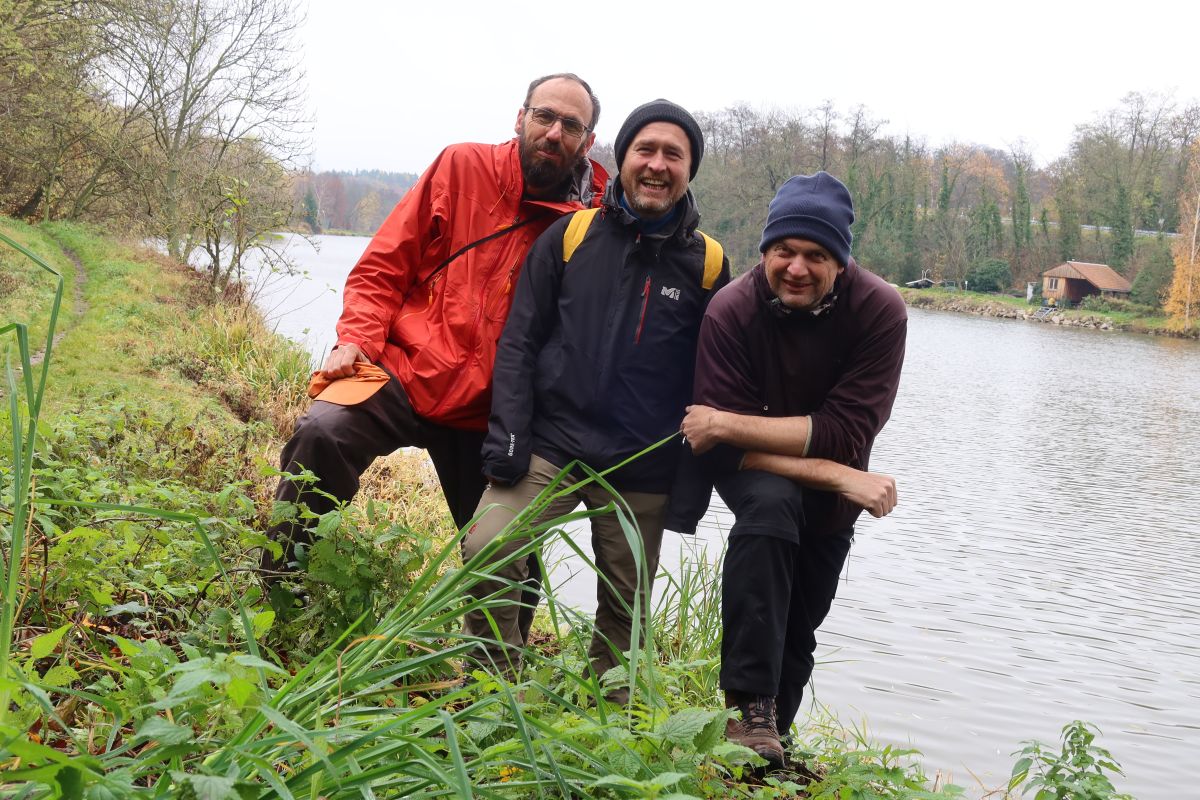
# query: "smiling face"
x,y
800,272
654,174
549,154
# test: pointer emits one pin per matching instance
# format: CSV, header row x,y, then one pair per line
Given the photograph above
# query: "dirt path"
x,y
79,307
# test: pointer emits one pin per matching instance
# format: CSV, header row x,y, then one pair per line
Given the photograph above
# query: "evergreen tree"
x,y
312,211
1070,240
1121,222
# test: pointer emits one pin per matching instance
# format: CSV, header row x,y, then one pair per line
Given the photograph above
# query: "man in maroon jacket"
x,y
797,368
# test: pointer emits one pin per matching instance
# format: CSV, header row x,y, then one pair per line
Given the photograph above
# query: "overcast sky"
x,y
392,82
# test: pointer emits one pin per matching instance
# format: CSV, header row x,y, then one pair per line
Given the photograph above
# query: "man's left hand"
x,y
701,427
874,491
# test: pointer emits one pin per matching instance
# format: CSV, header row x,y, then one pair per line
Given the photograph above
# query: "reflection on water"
x,y
1043,565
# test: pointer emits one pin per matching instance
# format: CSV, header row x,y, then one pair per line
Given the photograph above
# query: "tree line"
x,y
182,120
966,212
348,202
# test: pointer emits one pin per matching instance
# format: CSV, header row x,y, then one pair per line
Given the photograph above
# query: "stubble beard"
x,y
651,209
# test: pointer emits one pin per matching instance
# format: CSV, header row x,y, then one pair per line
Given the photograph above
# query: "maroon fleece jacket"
x,y
840,367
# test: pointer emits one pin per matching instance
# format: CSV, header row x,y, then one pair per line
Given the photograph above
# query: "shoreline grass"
x,y
1094,312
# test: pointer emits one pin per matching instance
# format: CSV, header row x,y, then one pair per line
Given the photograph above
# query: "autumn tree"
x,y
1183,300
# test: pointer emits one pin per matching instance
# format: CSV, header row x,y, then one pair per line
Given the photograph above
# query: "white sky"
x,y
391,82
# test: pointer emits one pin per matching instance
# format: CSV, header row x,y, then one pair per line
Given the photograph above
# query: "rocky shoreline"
x,y
979,305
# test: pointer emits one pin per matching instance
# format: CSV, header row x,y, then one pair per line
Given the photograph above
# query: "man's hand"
x,y
701,428
340,362
874,491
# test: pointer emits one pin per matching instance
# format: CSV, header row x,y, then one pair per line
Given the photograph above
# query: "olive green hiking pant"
x,y
614,559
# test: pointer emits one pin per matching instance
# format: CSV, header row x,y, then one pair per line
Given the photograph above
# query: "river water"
x,y
1043,564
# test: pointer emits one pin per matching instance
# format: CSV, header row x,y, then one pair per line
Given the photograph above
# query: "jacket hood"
x,y
685,226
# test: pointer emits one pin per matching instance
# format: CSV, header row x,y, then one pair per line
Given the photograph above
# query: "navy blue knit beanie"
x,y
814,207
660,111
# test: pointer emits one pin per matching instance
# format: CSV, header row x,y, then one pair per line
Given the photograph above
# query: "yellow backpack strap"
x,y
714,256
577,228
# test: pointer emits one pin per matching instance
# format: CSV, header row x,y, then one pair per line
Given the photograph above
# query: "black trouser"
x,y
779,581
338,443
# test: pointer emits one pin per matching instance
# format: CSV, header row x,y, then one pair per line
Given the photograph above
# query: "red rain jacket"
x,y
436,329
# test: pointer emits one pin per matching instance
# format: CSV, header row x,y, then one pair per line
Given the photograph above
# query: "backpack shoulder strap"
x,y
577,228
714,255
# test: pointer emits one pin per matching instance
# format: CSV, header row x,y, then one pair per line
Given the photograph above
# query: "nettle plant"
x,y
1075,772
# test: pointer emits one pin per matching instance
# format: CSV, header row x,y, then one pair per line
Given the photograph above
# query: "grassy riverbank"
x,y
1095,313
145,662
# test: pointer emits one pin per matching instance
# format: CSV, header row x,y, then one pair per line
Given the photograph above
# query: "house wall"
x,y
1071,290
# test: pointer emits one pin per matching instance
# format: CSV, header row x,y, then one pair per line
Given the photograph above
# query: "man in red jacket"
x,y
425,304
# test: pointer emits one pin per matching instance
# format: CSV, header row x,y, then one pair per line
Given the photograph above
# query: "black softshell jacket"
x,y
596,360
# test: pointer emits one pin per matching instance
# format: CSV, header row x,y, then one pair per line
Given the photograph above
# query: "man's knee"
x,y
320,425
763,502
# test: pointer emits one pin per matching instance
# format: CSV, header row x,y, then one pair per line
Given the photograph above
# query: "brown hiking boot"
x,y
756,729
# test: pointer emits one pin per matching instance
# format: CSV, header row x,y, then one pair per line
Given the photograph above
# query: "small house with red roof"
x,y
1072,281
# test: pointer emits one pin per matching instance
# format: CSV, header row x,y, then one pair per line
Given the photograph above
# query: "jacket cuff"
x,y
372,350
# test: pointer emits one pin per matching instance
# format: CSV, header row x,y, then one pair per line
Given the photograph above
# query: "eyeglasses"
x,y
546,118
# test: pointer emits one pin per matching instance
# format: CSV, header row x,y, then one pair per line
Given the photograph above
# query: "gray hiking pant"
x,y
614,559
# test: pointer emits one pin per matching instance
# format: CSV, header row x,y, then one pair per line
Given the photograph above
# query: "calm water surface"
x,y
1043,564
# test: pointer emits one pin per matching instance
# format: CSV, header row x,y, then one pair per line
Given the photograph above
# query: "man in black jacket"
x,y
595,364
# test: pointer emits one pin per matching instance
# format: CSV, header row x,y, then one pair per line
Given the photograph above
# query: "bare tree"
x,y
217,85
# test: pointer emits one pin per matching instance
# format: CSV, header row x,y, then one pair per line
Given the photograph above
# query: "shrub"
x,y
1116,305
989,275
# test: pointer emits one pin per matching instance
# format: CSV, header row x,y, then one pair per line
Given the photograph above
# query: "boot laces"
x,y
759,715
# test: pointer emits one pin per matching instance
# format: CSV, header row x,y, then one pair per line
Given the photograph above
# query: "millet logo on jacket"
x,y
512,443
671,293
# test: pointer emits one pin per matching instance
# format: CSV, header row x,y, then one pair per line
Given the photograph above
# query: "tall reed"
x,y
24,443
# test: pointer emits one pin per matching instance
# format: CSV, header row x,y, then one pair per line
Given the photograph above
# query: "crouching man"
x,y
798,364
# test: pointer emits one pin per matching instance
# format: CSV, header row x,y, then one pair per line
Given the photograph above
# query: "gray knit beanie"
x,y
814,207
660,111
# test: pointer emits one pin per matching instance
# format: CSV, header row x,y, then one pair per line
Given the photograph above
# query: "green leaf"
x,y
618,780
70,783
665,779
160,730
257,663
44,645
207,787
683,727
190,681
240,690
262,623
127,647
713,733
132,607
59,676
